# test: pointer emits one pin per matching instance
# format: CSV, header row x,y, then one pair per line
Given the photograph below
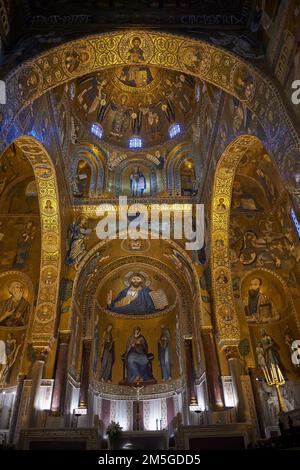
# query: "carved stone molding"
x,y
149,392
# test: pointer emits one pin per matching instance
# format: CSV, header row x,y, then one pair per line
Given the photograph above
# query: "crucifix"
x,y
138,419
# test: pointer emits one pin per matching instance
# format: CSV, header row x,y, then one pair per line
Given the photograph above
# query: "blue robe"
x,y
76,245
141,304
164,354
137,362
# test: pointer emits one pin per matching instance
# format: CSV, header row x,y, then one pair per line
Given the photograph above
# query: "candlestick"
x,y
274,377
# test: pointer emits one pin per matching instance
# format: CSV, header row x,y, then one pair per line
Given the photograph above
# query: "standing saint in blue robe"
x,y
76,247
107,355
164,353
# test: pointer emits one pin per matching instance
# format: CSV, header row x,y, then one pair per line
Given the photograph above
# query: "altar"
x,y
142,440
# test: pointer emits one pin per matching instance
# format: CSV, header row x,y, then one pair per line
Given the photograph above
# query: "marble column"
x,y
60,379
85,373
260,410
235,372
36,379
17,401
190,372
212,371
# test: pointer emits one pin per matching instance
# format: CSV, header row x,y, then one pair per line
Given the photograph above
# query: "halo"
x,y
10,278
141,273
136,36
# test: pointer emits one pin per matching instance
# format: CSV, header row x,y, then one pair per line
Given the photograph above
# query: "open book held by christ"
x,y
159,299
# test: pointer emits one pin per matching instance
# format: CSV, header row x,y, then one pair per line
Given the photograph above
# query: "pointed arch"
x,y
174,160
91,253
44,319
94,157
226,317
94,53
195,57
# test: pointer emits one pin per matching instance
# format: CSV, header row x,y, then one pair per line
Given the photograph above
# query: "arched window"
x,y
174,130
97,130
135,142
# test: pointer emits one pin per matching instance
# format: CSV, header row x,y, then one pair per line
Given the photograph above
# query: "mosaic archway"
x,y
95,53
95,157
216,66
123,166
43,324
92,274
96,165
228,331
73,171
175,158
99,246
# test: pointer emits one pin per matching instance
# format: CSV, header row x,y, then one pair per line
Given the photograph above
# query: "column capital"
x,y
87,342
40,352
187,338
64,336
231,352
20,377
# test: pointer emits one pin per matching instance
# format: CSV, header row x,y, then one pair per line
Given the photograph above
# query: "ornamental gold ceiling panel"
x,y
135,100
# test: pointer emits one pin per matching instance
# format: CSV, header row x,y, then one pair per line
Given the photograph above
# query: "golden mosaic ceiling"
x,y
135,100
